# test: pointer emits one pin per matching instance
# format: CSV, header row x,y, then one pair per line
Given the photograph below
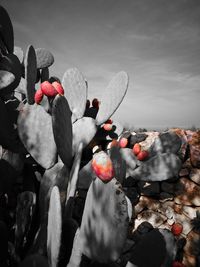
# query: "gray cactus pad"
x,y
44,74
7,133
75,89
54,227
44,58
24,212
10,63
112,96
84,130
35,131
19,53
105,220
30,65
6,30
119,164
62,128
6,78
158,168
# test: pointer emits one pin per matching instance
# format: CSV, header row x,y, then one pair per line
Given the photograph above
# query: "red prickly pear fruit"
x,y
177,229
88,103
107,127
109,121
48,89
123,142
102,166
136,149
58,87
38,96
95,103
178,264
142,155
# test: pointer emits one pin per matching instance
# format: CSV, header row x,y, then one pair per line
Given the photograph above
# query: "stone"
x,y
193,137
161,167
195,155
148,189
167,187
164,196
137,138
190,212
192,246
184,146
153,217
187,193
146,202
184,172
195,175
166,142
147,143
189,261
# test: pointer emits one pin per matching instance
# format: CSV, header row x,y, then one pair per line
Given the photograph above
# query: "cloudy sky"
x,y
157,42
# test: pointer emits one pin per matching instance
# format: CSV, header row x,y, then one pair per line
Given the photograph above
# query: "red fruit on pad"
x,y
95,103
136,149
102,166
38,96
177,229
178,264
48,89
107,127
142,155
123,142
58,87
109,121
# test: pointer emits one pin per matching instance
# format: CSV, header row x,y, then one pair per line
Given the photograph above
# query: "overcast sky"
x,y
157,42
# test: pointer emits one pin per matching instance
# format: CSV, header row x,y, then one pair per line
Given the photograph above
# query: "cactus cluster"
x,y
54,138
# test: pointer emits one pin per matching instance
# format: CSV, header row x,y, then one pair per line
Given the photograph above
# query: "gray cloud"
x,y
157,42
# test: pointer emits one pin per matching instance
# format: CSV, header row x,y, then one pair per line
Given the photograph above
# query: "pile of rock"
x,y
165,189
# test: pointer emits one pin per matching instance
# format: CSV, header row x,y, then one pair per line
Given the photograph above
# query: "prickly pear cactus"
x,y
6,30
54,227
112,97
35,131
10,63
62,128
44,58
84,130
105,220
75,92
30,65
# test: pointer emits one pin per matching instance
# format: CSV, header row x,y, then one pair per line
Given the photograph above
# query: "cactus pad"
x,y
105,220
75,92
19,53
44,58
119,164
44,74
6,78
54,227
84,130
62,128
10,63
112,97
35,131
6,30
30,73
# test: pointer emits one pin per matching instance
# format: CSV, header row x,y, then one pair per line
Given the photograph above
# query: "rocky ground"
x,y
176,200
